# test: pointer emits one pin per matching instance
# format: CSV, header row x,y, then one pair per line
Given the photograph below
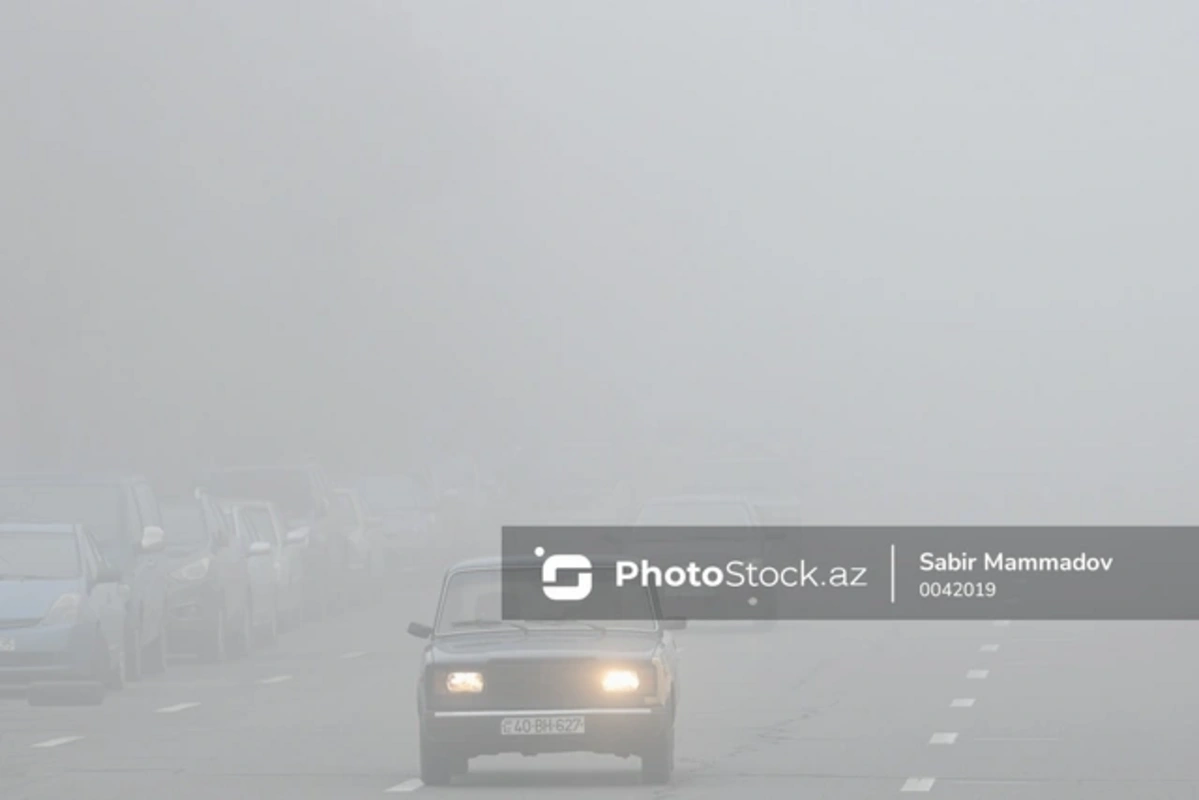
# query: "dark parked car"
x,y
489,685
121,513
209,604
304,496
62,612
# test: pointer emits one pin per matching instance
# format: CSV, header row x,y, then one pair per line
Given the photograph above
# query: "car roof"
x,y
70,479
39,527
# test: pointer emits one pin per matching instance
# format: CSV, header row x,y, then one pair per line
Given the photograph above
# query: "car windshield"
x,y
694,514
38,555
393,493
99,508
473,600
744,476
289,488
184,526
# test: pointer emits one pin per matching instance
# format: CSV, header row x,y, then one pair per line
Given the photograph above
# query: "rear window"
x,y
290,489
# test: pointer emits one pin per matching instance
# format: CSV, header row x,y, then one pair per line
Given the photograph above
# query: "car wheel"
x,y
436,765
133,655
214,651
155,662
657,762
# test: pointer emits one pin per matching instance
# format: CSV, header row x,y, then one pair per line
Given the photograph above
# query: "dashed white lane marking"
x,y
962,702
353,654
177,707
1003,623
989,648
918,785
943,738
410,785
978,674
275,679
57,742
1016,739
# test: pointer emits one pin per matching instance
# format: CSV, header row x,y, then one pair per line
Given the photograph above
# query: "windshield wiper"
x,y
488,623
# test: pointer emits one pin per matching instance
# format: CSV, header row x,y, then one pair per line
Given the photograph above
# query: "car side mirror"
x,y
108,575
673,624
298,536
419,630
153,539
259,548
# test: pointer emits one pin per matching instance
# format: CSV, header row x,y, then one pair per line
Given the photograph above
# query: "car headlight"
x,y
464,682
621,680
194,571
65,610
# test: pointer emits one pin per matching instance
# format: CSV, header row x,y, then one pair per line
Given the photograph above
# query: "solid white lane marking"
x,y
978,674
353,654
56,742
275,679
989,648
943,738
410,785
962,702
176,707
918,785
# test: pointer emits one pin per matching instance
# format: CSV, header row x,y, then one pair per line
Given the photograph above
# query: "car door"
x,y
290,560
107,599
228,560
263,570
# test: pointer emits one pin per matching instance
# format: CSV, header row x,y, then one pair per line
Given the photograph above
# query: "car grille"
x,y
547,684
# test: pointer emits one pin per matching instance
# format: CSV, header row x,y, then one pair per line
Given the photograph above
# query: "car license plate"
x,y
8,645
541,726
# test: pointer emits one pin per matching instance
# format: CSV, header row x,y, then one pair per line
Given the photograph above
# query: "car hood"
x,y
31,599
505,645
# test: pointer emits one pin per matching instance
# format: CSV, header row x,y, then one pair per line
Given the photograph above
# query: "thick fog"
x,y
941,253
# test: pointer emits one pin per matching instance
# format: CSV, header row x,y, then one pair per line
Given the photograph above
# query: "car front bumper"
x,y
37,654
613,731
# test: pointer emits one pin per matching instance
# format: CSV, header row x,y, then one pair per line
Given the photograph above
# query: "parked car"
x,y
303,495
62,613
768,482
405,514
364,551
121,513
210,611
490,685
276,561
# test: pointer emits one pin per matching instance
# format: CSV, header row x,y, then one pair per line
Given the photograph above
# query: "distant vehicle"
x,y
303,495
767,482
277,561
490,686
405,513
364,548
121,513
459,485
211,612
573,483
62,612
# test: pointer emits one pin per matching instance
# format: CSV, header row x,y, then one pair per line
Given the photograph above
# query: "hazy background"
x,y
944,252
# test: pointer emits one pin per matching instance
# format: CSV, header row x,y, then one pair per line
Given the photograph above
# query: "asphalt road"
x,y
973,710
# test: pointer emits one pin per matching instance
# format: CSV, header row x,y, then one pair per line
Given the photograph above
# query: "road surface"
x,y
978,710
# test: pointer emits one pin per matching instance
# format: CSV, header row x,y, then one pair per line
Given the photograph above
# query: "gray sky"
x,y
929,239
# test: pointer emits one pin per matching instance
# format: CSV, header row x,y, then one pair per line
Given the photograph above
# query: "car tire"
x,y
155,662
657,761
133,655
436,765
